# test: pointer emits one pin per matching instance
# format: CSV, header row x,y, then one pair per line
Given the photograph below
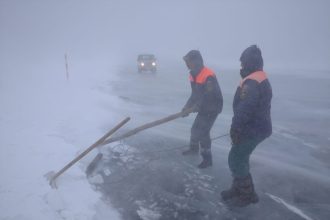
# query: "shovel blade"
x,y
50,177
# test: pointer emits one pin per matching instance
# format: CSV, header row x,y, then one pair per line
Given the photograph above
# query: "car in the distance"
x,y
146,62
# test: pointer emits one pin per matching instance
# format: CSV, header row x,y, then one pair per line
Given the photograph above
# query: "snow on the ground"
x,y
45,122
290,207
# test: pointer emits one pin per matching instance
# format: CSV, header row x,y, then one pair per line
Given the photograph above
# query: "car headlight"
x,y
142,64
153,63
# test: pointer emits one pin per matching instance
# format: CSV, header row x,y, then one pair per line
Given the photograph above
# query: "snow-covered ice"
x,y
46,121
290,207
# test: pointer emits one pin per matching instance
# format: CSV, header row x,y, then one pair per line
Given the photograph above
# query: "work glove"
x,y
184,111
235,136
195,108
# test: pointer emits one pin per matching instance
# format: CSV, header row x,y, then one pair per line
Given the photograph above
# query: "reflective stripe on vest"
x,y
258,76
202,76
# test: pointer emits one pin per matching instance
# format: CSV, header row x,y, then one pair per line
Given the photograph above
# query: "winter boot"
x,y
193,150
230,193
246,193
207,160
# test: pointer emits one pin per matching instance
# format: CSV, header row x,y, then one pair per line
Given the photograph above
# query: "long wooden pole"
x,y
66,66
97,143
148,125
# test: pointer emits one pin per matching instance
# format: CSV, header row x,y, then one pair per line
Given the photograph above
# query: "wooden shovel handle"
x,y
148,125
97,143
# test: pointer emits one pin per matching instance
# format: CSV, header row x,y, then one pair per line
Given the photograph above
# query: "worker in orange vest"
x,y
251,124
206,100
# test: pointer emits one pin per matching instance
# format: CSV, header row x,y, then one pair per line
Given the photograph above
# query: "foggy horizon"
x,y
291,34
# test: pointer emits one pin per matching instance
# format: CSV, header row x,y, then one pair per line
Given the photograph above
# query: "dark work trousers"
x,y
200,131
239,157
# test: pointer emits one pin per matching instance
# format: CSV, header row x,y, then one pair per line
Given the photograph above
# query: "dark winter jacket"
x,y
252,104
206,96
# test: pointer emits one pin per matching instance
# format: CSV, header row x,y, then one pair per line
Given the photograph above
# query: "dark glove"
x,y
195,108
235,136
185,112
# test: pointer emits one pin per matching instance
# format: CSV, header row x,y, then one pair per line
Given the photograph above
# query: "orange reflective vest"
x,y
258,76
202,76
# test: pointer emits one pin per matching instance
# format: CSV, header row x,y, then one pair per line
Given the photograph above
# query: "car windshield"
x,y
146,57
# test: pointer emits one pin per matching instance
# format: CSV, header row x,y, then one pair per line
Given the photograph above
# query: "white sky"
x,y
292,33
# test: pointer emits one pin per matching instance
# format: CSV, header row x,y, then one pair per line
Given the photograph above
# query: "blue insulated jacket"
x,y
252,104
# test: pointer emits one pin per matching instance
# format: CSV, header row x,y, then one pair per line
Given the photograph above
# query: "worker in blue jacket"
x,y
251,124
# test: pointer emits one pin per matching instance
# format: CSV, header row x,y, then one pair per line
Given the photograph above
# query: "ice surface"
x,y
149,167
291,207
